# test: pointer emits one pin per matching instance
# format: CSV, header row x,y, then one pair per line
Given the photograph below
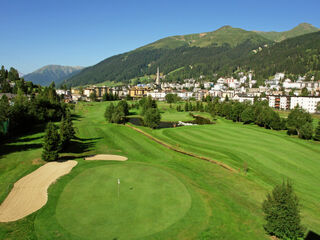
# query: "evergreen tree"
x,y
282,213
69,127
152,118
63,134
306,131
317,133
186,107
109,111
4,108
51,143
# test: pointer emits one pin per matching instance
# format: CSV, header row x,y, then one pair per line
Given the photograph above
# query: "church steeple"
x,y
158,77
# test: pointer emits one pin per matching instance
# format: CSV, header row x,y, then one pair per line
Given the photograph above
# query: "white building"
x,y
289,84
157,95
307,103
280,102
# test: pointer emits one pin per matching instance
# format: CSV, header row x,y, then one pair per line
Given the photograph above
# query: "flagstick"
x,y
118,187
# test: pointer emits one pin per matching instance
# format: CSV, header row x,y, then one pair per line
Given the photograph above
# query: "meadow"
x,y
164,194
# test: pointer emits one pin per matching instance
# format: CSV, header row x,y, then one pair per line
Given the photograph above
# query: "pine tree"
x,y
282,213
63,134
69,127
51,143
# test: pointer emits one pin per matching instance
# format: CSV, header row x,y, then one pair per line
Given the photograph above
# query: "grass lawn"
x,y
270,155
173,196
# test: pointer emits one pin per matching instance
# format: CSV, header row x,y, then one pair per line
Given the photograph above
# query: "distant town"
x,y
282,93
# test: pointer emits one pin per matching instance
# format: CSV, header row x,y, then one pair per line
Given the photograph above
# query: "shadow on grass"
x,y
76,117
18,143
78,147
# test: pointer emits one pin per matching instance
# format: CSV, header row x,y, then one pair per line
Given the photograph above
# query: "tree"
x,y
306,131
304,92
186,107
317,133
171,98
152,118
4,108
318,107
123,105
282,213
93,96
247,115
51,143
109,111
297,118
63,134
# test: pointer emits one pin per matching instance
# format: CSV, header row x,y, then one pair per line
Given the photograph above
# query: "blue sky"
x,y
35,33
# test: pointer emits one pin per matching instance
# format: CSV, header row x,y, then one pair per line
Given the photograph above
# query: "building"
x,y
279,102
307,103
158,77
138,92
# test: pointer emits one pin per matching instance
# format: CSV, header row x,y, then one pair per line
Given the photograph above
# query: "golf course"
x,y
150,191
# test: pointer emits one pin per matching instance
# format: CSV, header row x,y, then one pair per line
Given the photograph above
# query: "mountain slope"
x,y
299,56
221,51
301,29
51,73
170,54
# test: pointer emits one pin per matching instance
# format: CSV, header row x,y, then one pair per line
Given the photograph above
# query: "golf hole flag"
x,y
118,180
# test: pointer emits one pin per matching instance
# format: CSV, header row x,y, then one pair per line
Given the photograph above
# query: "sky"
x,y
36,33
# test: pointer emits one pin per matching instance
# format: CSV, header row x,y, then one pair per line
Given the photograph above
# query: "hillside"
x,y
51,73
301,29
297,56
220,51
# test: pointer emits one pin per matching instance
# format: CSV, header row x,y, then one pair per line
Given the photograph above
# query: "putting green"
x,y
149,201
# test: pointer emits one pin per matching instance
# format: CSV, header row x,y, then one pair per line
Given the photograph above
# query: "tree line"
x,y
148,111
298,122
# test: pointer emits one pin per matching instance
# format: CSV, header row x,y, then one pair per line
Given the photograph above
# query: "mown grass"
x,y
270,156
224,205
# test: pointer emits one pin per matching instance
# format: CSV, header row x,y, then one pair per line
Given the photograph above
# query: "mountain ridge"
x,y
218,47
52,73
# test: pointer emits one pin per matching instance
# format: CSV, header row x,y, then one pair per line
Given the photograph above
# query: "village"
x,y
281,93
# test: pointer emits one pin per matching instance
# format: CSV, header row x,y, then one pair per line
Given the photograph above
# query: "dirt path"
x,y
107,157
182,151
29,194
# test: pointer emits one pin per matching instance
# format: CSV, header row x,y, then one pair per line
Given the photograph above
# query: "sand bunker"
x,y
107,157
29,194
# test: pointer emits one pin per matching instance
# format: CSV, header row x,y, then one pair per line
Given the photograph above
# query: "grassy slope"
x,y
271,156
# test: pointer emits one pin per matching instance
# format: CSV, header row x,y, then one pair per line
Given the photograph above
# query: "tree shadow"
x,y
18,142
10,148
76,117
81,145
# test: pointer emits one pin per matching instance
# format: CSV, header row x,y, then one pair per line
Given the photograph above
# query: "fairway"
x,y
149,201
165,194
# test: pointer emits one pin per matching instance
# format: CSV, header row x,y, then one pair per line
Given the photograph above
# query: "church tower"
x,y
158,77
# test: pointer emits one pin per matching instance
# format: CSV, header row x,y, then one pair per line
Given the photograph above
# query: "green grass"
x,y
146,193
215,201
270,155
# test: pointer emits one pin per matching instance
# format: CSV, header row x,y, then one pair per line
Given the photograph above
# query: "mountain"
x,y
301,29
51,73
298,56
207,53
